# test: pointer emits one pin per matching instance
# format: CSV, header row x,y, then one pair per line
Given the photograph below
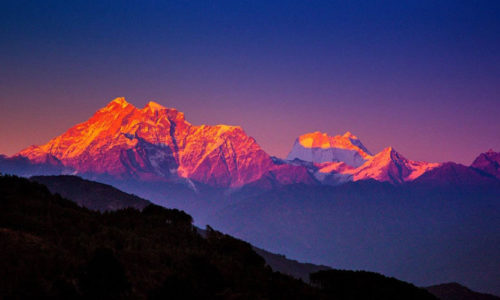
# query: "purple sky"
x,y
421,76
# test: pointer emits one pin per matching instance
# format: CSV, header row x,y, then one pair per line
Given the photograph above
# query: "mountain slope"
x,y
91,194
454,174
282,264
22,166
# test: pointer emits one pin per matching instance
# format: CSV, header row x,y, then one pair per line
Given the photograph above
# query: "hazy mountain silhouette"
x,y
91,194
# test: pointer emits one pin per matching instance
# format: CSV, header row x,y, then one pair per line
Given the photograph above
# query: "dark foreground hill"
x,y
51,247
455,291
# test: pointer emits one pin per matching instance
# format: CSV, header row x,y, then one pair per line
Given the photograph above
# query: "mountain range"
x,y
331,201
157,144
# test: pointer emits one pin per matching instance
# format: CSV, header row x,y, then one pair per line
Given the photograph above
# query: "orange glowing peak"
x,y
116,105
387,151
119,102
349,135
154,106
322,140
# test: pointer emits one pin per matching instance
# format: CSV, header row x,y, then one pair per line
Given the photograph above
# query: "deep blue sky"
x,y
422,76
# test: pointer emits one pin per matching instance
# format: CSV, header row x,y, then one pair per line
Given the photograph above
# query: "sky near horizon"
x,y
421,76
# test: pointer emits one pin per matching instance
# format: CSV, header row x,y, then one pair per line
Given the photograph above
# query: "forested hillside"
x,y
51,247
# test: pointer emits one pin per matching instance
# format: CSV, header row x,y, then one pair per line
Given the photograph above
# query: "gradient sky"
x,y
422,76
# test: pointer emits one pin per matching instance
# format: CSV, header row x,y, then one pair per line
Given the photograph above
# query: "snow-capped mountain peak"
x,y
318,147
389,165
120,100
153,107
